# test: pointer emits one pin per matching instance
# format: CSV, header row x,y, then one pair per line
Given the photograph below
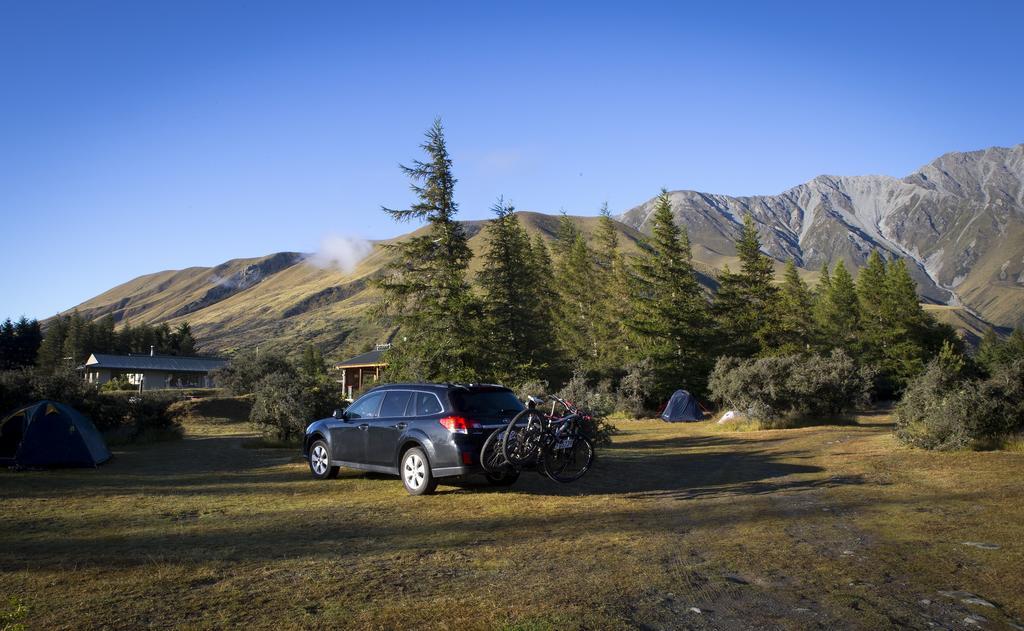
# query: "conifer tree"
x,y
990,350
607,240
872,297
575,277
906,337
182,341
51,351
839,311
612,298
425,292
793,329
820,308
517,322
670,313
546,296
743,305
312,364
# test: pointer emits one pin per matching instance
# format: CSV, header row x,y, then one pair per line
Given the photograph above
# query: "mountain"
x,y
958,222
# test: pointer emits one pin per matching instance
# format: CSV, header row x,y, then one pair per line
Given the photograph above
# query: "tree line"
x,y
19,343
71,338
642,321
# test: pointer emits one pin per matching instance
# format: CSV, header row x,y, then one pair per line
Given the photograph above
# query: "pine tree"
x,y
1014,349
312,364
7,345
821,307
793,330
516,322
425,292
103,336
51,351
182,340
607,240
575,278
991,350
670,313
839,312
907,337
612,296
872,297
27,338
743,304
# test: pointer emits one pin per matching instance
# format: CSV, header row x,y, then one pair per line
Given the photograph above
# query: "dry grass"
x,y
822,526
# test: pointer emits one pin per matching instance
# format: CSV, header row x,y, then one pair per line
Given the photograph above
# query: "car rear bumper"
x,y
447,472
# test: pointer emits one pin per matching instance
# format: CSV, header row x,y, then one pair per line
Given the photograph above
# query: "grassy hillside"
x,y
285,301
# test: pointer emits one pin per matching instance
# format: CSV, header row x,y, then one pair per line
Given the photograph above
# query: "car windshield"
x,y
486,402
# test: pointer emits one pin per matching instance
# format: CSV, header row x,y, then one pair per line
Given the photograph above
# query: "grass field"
x,y
678,526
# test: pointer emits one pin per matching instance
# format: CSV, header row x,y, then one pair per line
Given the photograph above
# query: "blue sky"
x,y
142,136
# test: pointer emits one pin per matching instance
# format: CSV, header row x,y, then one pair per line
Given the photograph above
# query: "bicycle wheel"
x,y
523,438
569,459
492,455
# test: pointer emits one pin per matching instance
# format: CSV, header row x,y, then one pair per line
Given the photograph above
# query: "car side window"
x,y
395,403
365,407
427,404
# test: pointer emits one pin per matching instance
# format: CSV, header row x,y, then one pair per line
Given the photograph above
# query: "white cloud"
x,y
341,252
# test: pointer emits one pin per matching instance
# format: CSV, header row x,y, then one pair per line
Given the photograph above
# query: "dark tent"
x,y
50,434
682,407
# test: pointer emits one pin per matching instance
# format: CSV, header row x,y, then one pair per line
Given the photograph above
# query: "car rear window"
x,y
427,404
485,402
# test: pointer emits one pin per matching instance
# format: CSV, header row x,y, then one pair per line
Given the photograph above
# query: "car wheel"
x,y
320,461
507,477
416,474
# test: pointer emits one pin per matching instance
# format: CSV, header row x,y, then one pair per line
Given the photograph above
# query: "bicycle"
x,y
556,445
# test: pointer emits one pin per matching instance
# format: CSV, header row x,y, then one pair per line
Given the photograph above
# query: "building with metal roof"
x,y
153,372
362,370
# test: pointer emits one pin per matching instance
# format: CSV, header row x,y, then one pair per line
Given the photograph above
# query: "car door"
x,y
349,436
387,427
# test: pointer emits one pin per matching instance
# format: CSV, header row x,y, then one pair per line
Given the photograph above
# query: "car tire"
x,y
320,461
416,474
507,477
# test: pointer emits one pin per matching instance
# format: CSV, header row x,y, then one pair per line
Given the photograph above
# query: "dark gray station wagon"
x,y
418,431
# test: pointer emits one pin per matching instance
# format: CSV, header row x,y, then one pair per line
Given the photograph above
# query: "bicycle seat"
x,y
535,400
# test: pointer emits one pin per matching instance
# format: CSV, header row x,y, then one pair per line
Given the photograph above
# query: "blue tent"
x,y
50,434
682,407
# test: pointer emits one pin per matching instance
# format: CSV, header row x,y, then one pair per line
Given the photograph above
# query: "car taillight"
x,y
458,425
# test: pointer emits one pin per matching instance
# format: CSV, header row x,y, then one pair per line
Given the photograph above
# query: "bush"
x,y
534,387
597,403
118,383
245,371
794,386
945,409
126,415
635,388
286,402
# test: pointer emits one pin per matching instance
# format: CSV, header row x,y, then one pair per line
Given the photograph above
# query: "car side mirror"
x,y
339,414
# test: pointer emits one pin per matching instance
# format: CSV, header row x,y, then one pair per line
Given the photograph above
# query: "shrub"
x,y
245,371
773,388
533,387
286,402
596,402
118,383
635,388
945,409
125,414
